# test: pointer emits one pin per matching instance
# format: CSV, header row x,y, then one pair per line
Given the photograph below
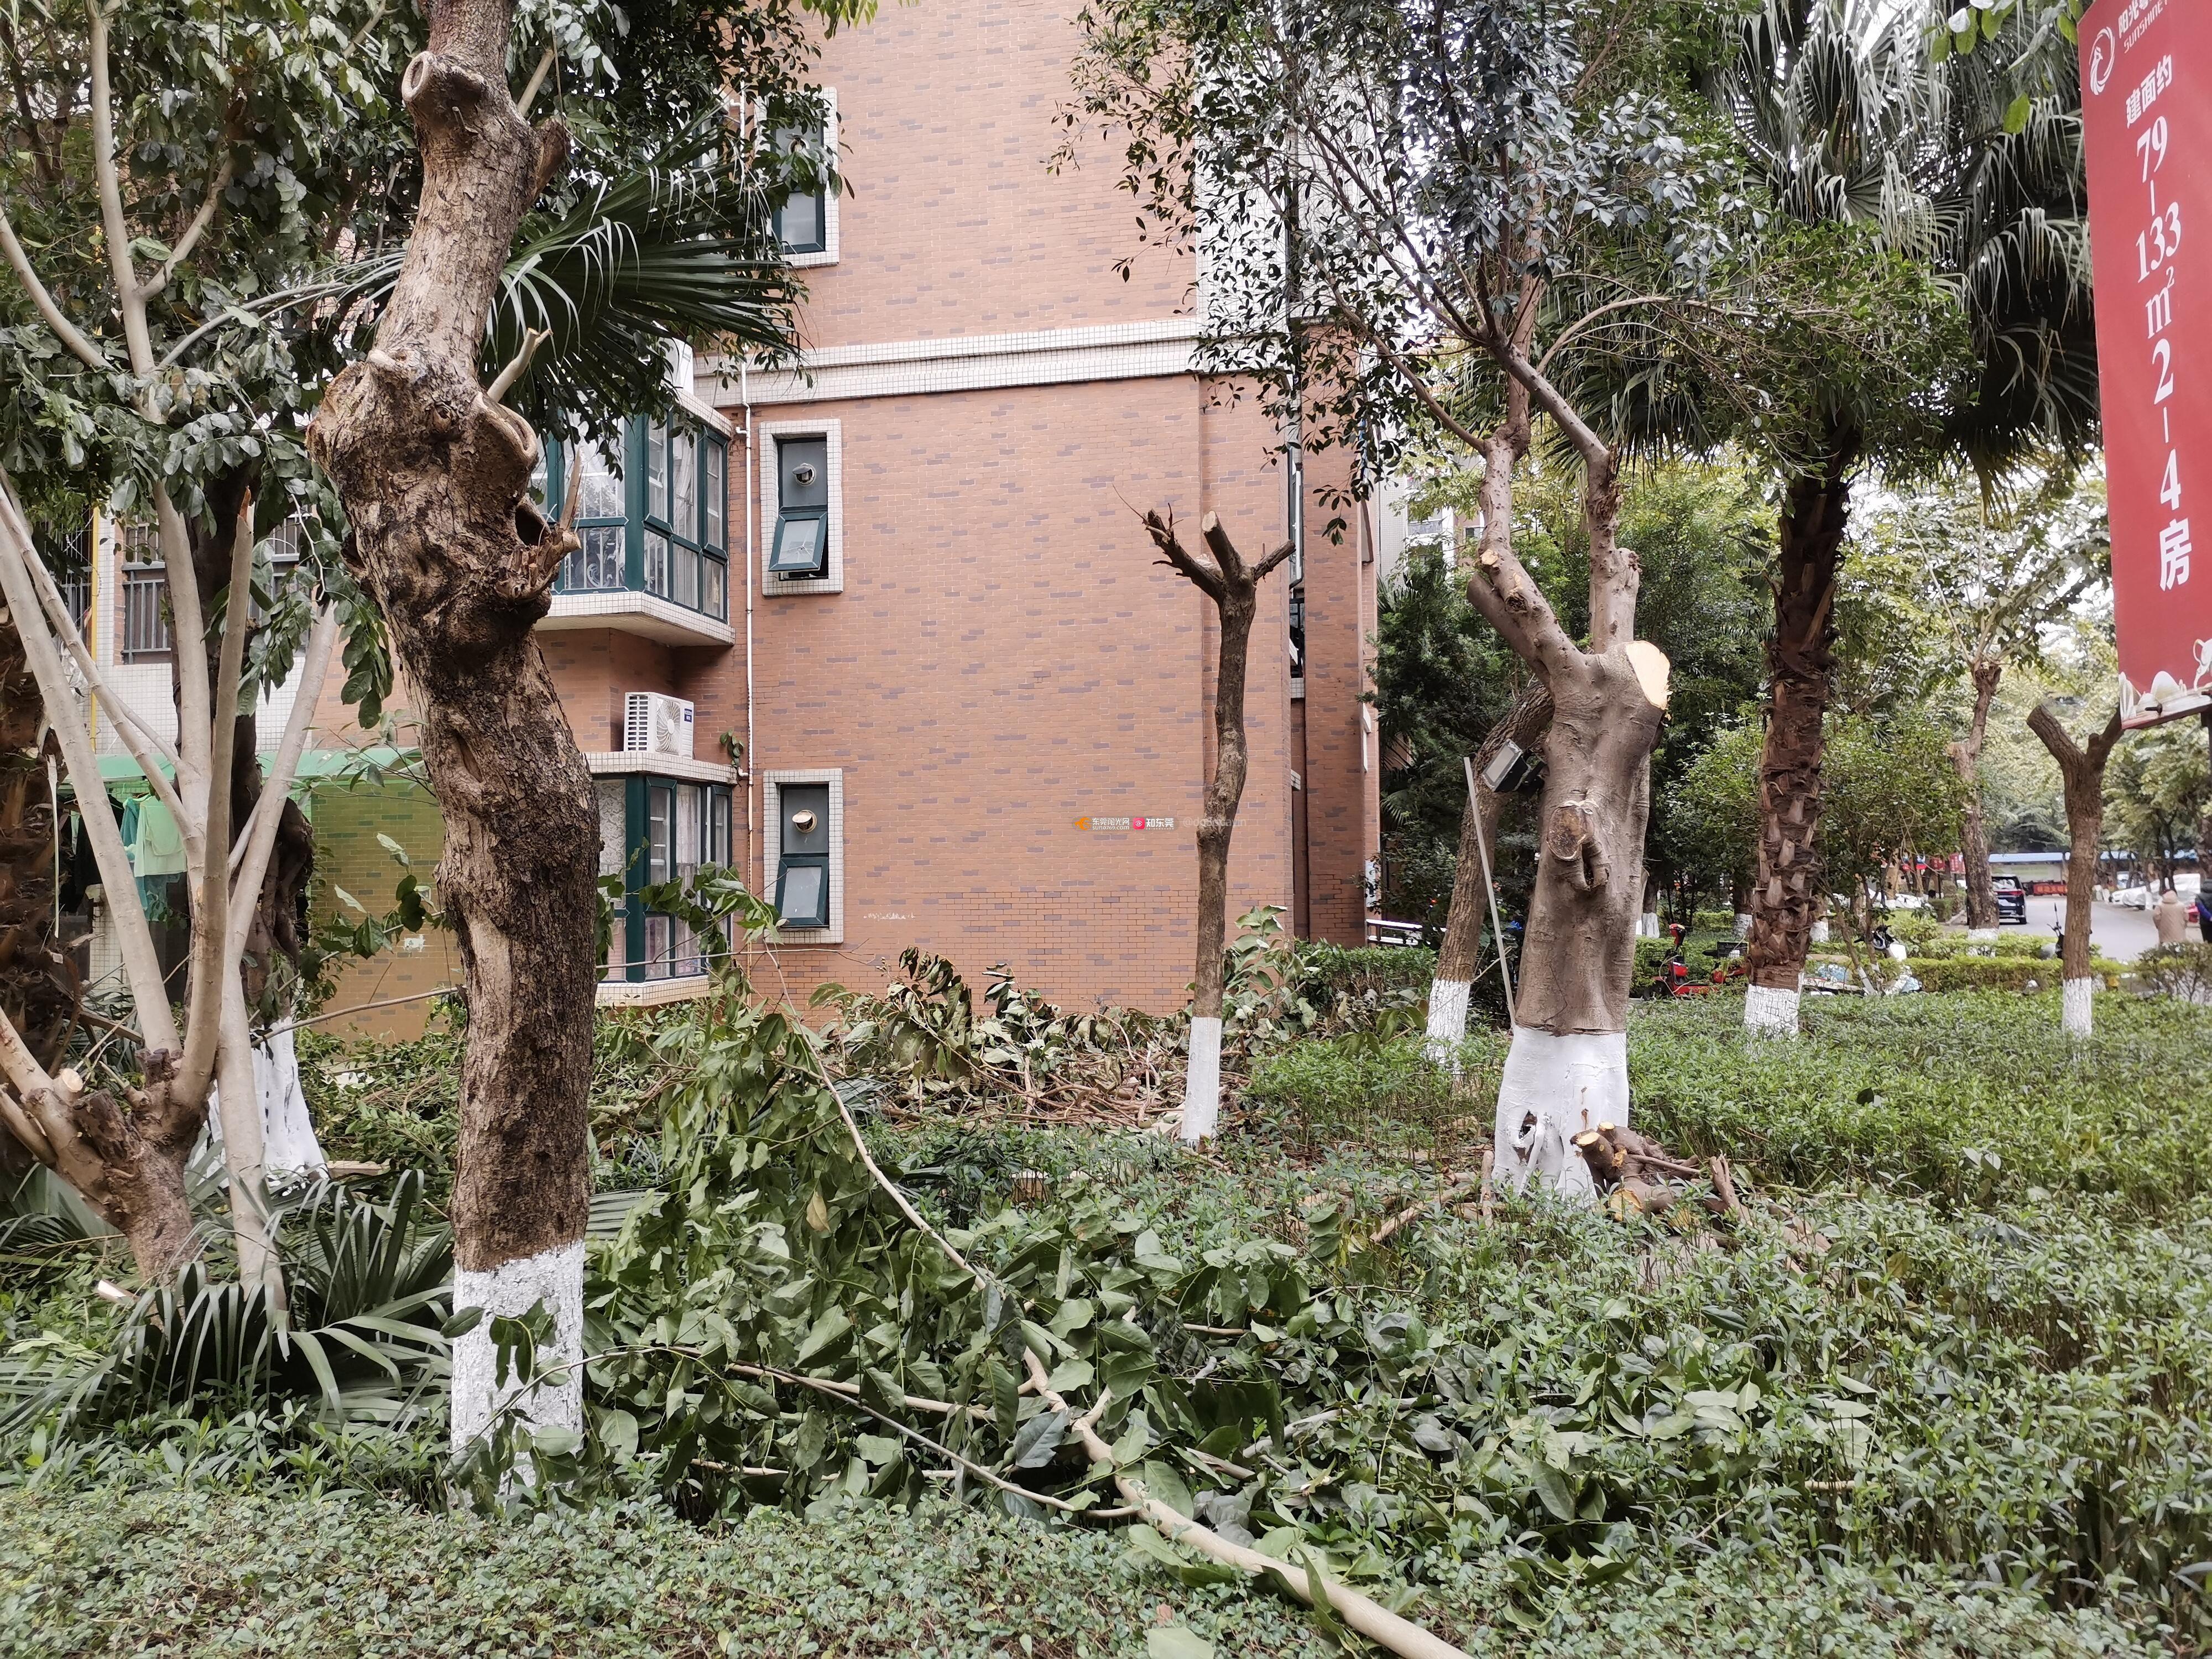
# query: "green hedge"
x,y
2005,973
1966,1097
189,1575
1380,1094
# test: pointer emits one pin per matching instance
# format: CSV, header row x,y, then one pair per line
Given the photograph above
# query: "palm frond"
x,y
370,1291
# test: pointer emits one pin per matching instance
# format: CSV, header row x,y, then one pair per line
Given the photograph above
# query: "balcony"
x,y
654,558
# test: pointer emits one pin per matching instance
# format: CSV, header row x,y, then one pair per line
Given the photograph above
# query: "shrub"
x,y
1967,1098
1355,1090
2182,971
2011,972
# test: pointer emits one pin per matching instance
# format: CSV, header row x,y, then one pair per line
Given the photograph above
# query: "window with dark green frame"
x,y
671,829
800,546
652,518
802,870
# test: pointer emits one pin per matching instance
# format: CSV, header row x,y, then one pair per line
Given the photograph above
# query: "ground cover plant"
x,y
1941,1388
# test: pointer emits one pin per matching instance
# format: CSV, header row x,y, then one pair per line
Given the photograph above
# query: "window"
x,y
805,223
668,830
802,878
1297,631
146,636
804,813
668,535
801,547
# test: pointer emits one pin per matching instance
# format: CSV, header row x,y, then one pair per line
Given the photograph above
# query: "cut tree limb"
x,y
1377,1623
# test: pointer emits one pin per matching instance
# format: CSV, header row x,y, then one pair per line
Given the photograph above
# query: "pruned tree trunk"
x,y
1567,1069
1459,958
1234,588
1974,833
1787,893
435,475
2081,771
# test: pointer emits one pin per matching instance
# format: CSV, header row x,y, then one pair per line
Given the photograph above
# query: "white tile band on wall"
x,y
1114,351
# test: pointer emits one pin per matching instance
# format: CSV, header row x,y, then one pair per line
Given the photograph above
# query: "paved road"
x,y
2116,931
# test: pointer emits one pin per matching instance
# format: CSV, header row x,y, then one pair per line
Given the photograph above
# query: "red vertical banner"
x,y
2147,118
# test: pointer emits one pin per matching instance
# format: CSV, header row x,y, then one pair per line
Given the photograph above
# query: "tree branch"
x,y
528,95
259,838
134,940
136,337
201,221
1207,579
146,748
519,365
64,331
212,962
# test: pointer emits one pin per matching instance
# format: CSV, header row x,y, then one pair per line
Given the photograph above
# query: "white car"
x,y
2134,898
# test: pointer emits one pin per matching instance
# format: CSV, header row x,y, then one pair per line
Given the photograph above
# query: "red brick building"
x,y
943,718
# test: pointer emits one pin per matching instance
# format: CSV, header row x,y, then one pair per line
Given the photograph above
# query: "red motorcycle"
x,y
1676,979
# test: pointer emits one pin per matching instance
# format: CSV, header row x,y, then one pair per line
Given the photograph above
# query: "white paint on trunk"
x,y
1201,1093
1555,1087
1770,1013
2077,997
1447,1020
555,1277
1820,931
1981,935
288,1143
287,1134
1742,925
1647,924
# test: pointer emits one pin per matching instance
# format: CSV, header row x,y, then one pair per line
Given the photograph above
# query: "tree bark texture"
x,y
2082,772
1787,893
434,475
1974,833
1233,585
1580,954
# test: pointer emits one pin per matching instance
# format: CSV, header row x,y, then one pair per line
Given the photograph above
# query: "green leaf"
x,y
1176,1642
1039,1439
832,1327
2016,114
1555,1489
1162,1482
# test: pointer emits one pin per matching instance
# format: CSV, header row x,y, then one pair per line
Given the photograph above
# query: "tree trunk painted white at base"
x,y
1447,1020
1647,924
1981,935
1820,932
2077,998
1768,1011
555,1277
1555,1087
1201,1093
1742,925
288,1144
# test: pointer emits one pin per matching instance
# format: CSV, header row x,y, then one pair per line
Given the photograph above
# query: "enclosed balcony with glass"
x,y
652,523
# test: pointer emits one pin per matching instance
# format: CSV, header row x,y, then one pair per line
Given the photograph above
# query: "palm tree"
x,y
1849,122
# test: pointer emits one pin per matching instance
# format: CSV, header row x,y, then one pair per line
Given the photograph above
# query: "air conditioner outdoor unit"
x,y
654,724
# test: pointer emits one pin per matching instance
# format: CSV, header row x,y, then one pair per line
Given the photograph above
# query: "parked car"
x,y
2011,902
2134,898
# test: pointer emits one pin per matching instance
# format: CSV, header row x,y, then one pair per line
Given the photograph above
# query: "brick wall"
x,y
347,854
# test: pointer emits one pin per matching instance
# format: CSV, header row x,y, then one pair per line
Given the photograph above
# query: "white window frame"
x,y
829,198
772,847
775,586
